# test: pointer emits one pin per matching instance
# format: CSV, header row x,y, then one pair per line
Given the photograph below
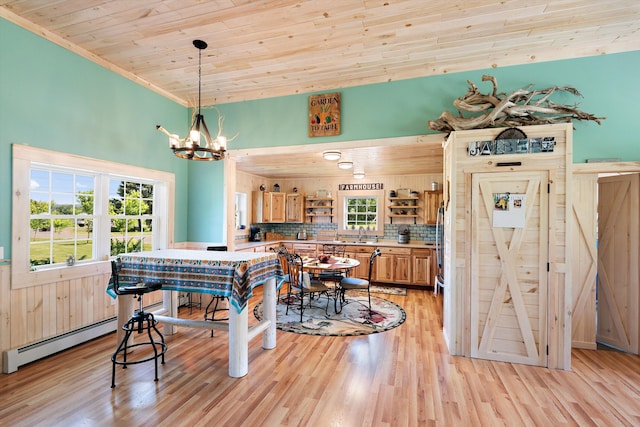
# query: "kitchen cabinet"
x,y
318,207
362,254
269,206
394,265
432,202
305,249
295,208
422,262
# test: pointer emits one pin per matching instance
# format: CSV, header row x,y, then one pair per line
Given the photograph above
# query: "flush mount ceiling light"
x,y
358,175
199,145
345,165
331,155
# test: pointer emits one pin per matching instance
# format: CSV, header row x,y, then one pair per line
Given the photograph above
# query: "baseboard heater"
x,y
14,358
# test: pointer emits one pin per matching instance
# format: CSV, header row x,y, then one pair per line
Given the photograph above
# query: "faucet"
x,y
360,232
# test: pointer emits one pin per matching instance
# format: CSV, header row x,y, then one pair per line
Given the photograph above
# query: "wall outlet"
x,y
1,252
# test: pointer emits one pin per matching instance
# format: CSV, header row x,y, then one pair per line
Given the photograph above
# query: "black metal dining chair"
x,y
301,284
140,322
357,284
217,301
334,276
282,253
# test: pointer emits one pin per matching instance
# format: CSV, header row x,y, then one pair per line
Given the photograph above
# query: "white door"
x,y
509,266
618,282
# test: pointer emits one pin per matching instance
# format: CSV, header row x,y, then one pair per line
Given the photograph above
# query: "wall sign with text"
x,y
324,114
360,187
511,146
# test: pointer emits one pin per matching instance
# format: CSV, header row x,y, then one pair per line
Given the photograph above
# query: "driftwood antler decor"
x,y
520,108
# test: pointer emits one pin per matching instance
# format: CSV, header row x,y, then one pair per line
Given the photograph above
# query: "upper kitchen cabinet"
x,y
432,202
295,208
269,206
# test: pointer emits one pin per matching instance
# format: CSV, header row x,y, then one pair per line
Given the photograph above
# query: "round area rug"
x,y
353,320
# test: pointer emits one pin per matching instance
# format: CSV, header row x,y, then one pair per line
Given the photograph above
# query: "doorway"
x,y
618,281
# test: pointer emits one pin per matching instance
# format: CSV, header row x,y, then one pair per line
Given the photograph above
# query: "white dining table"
x,y
229,274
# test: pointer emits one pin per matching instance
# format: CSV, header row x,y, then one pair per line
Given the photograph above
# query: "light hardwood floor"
x,y
403,377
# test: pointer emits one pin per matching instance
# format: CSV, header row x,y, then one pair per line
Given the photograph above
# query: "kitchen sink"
x,y
355,242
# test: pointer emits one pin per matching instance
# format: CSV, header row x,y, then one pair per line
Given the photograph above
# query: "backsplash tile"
x,y
416,232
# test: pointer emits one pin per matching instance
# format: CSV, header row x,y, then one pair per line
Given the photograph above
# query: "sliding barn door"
x,y
509,256
618,282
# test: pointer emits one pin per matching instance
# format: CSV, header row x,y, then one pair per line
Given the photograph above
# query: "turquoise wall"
x,y
608,84
54,99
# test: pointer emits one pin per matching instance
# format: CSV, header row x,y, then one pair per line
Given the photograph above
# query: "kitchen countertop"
x,y
380,243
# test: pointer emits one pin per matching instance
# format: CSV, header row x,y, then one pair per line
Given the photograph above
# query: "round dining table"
x,y
334,263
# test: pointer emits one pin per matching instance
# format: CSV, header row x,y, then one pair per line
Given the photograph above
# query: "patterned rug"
x,y
390,290
353,320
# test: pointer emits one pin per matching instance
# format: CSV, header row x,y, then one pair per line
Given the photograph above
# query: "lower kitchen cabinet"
x,y
362,254
394,266
422,260
305,249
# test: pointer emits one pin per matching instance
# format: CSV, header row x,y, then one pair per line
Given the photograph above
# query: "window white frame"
x,y
377,194
240,211
53,194
24,157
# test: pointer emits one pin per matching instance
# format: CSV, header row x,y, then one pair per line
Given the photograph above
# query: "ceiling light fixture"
x,y
331,155
199,145
358,175
345,165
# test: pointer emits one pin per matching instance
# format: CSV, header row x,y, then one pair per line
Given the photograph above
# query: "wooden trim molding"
x,y
21,274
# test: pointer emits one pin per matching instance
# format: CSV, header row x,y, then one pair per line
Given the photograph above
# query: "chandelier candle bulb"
x,y
174,141
194,135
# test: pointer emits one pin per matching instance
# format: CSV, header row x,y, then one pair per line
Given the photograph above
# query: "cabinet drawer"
x,y
395,251
304,247
421,252
359,249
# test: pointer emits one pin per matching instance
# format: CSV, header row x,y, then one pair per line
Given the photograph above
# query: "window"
x,y
360,208
131,214
61,221
361,211
240,211
72,212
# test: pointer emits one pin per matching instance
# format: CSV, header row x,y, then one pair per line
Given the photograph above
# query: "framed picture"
x,y
324,114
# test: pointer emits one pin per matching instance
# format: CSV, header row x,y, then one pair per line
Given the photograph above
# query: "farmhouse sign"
x,y
358,187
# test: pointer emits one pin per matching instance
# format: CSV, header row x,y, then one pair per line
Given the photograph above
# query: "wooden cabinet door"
x,y
294,208
362,270
618,255
266,207
278,203
402,269
362,254
421,263
384,268
432,202
509,266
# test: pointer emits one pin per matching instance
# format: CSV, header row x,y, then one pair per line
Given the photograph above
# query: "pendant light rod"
x,y
200,45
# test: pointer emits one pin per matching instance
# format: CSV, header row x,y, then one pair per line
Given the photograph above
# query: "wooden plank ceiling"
x,y
260,49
